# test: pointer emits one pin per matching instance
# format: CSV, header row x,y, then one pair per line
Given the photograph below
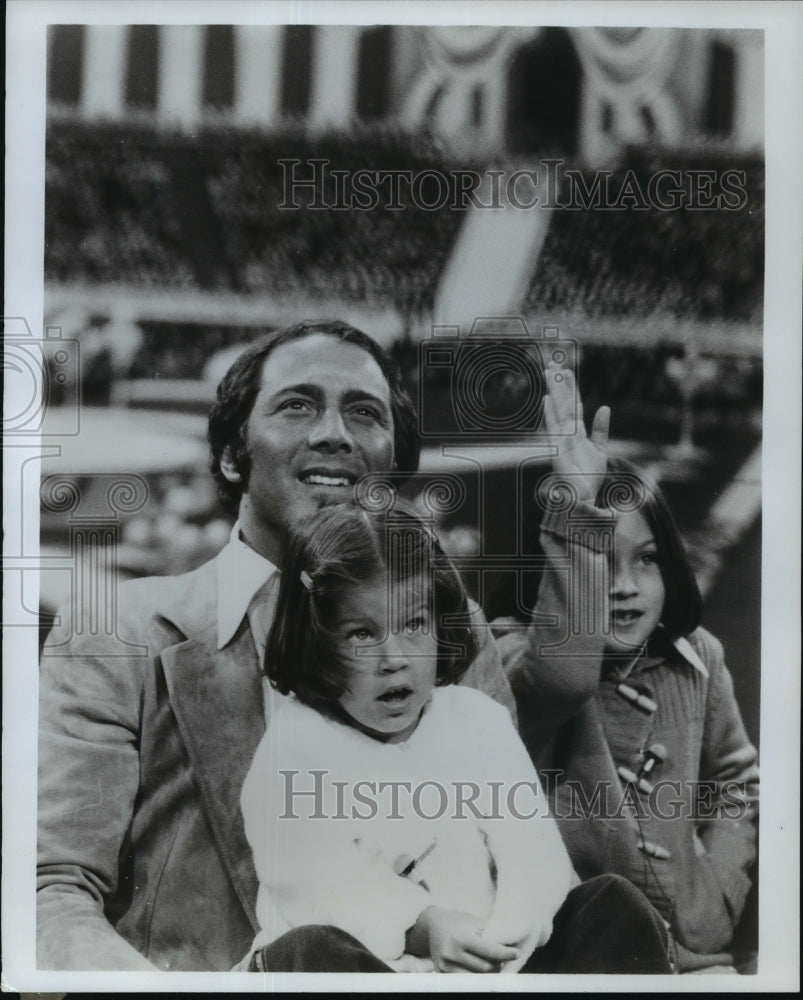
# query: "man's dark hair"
x,y
682,602
346,545
240,386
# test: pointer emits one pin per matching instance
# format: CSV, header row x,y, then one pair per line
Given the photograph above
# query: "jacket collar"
x,y
686,650
681,646
188,602
217,699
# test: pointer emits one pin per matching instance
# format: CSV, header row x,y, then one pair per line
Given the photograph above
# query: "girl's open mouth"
x,y
621,618
396,695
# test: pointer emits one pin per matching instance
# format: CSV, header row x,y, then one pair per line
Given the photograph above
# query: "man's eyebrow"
x,y
360,395
303,388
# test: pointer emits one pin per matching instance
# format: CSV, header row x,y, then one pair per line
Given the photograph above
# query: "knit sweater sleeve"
x,y
533,871
729,783
554,666
309,865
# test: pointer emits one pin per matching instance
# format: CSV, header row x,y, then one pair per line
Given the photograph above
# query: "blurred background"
x,y
202,187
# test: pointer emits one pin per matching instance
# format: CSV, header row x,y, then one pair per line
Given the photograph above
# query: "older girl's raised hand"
x,y
581,459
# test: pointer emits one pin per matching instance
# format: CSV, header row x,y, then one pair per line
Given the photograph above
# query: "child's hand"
x,y
455,943
582,460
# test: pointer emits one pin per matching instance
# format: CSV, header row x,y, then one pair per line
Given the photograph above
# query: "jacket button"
x,y
653,850
633,696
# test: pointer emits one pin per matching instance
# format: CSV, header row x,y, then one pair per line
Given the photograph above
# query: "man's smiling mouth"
x,y
328,479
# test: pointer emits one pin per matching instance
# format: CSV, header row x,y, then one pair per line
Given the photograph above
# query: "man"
x,y
143,861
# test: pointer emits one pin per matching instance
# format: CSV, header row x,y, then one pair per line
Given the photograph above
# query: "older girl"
x,y
626,704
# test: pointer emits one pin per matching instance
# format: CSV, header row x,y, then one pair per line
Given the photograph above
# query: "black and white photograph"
x,y
402,496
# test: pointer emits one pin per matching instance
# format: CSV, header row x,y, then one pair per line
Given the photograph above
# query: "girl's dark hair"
x,y
240,386
342,545
625,488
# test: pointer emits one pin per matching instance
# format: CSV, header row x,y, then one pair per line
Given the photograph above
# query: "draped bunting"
x,y
625,95
464,65
626,56
470,50
459,88
625,75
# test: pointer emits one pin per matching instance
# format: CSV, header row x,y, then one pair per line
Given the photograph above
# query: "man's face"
x,y
321,420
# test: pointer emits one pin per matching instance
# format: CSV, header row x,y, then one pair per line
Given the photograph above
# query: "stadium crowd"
x,y
147,207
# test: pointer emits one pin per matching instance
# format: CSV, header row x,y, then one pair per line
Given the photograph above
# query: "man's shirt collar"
x,y
240,573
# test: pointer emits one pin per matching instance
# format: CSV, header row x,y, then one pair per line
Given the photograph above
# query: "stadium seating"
x,y
154,208
136,205
111,213
701,264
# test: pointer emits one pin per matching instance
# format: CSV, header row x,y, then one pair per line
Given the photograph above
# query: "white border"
x,y
780,689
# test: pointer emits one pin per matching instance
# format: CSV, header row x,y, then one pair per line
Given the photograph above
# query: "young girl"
x,y
396,820
379,801
629,711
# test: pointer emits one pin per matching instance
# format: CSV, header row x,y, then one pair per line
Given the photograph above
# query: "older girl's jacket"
x,y
650,775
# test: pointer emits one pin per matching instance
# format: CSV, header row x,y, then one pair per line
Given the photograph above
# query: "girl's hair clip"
x,y
306,579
